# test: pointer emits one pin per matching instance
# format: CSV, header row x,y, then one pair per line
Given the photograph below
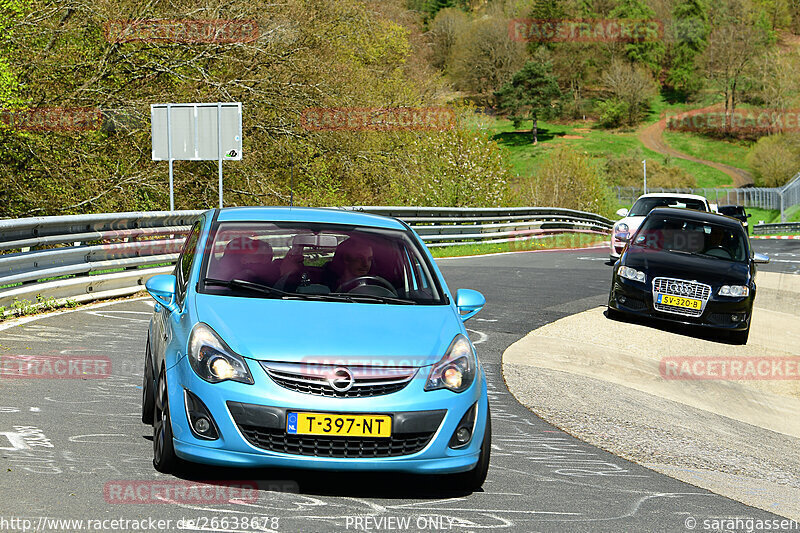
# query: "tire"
x,y
164,458
148,389
740,337
473,479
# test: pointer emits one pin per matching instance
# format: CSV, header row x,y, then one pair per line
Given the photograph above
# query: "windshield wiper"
x,y
249,285
698,254
265,289
373,298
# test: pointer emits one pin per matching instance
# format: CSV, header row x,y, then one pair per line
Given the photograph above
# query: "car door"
x,y
171,326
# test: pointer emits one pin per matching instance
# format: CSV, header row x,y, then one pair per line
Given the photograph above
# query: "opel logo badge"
x,y
341,380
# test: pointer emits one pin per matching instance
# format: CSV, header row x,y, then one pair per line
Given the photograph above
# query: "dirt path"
x,y
653,139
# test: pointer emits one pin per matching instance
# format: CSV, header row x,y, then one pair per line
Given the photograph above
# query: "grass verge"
x,y
565,240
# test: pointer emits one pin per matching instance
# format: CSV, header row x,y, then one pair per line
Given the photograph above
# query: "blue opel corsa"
x,y
313,338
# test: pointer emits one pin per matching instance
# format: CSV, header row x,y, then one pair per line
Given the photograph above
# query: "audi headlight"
x,y
212,360
736,291
456,370
632,274
622,227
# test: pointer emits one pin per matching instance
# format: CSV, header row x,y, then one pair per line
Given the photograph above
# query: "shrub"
x,y
613,112
568,179
626,171
774,159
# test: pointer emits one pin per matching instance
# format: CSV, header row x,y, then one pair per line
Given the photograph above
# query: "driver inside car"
x,y
352,260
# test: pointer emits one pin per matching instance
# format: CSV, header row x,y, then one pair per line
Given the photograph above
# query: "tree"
x,y
532,93
631,84
10,10
778,12
569,179
774,159
443,32
690,34
779,85
728,58
649,50
485,56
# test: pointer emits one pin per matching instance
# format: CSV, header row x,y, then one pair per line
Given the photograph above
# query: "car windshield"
x,y
732,210
645,205
317,262
692,237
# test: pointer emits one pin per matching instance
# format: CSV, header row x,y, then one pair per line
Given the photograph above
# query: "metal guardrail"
x,y
69,257
766,229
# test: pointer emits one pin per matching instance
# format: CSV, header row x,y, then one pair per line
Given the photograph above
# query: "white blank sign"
x,y
195,132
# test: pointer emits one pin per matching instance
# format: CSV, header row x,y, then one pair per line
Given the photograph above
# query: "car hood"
x,y
331,332
714,272
632,222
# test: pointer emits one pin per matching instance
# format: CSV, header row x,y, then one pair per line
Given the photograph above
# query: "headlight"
x,y
456,370
735,291
631,273
622,227
212,360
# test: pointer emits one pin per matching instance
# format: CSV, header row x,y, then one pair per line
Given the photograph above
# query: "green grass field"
x,y
525,157
729,153
565,240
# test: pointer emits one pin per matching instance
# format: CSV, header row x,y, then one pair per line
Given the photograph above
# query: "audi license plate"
x,y
342,425
679,301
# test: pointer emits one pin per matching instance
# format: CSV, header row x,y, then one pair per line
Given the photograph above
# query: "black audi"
x,y
690,267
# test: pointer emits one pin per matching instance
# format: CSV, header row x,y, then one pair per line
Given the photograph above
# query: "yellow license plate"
x,y
679,301
341,425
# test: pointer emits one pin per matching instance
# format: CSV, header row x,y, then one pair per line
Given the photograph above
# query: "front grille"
x,y
681,288
317,379
277,440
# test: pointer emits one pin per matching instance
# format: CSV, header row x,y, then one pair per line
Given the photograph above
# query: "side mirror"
x,y
469,302
163,288
761,259
622,212
749,215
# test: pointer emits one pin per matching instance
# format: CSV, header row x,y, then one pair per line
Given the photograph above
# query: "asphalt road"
x,y
64,442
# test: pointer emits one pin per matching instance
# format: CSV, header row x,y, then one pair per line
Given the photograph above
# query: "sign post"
x,y
196,132
644,163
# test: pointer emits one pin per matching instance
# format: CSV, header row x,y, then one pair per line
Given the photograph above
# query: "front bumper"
x,y
636,298
237,408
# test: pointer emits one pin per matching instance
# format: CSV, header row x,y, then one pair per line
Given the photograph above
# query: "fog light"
x,y
202,425
463,433
200,421
621,299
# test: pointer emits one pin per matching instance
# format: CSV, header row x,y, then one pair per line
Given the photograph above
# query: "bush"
x,y
626,171
613,112
568,179
774,159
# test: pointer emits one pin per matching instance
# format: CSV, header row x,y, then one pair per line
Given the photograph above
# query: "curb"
x,y
775,237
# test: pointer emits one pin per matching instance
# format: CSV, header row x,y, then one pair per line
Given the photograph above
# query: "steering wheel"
x,y
361,281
